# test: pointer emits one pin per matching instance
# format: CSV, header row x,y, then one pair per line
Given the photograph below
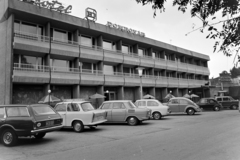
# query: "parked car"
x,y
158,109
27,120
125,111
77,113
181,104
227,102
209,103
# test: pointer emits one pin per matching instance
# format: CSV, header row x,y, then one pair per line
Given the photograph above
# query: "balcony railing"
x,y
35,37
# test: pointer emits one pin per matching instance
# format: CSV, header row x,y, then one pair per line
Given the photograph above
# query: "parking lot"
x,y
206,135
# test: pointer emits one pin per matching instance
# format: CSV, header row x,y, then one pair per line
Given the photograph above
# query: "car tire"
x,y
132,121
78,126
234,107
157,116
216,108
39,135
190,111
9,137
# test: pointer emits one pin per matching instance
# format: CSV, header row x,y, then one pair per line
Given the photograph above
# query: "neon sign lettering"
x,y
125,29
54,5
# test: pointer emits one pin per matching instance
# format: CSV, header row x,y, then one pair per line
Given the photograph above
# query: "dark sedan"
x,y
209,104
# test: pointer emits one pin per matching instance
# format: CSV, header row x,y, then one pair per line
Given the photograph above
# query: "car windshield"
x,y
87,107
43,110
130,105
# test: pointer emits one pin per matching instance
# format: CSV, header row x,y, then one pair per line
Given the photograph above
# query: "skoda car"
x,y
27,120
209,103
125,111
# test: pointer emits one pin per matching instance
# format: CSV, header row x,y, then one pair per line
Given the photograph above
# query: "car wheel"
x,y
39,135
190,111
132,121
9,138
78,126
216,108
157,116
234,107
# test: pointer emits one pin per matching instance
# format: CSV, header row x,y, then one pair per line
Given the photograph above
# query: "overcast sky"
x,y
170,26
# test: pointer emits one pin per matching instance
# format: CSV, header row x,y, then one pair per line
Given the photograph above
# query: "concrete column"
x,y
137,93
76,91
47,29
164,92
120,93
100,41
100,90
120,68
152,91
75,36
100,65
6,53
162,54
149,51
175,92
135,49
119,45
46,87
151,70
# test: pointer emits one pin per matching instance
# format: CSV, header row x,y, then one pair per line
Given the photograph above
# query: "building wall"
x,y
129,93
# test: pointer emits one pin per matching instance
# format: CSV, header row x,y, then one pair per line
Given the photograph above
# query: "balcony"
x,y
183,83
160,63
182,67
172,65
131,79
161,81
172,82
91,77
146,61
148,81
191,68
117,79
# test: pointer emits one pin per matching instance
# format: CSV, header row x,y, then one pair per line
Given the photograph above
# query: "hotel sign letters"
x,y
122,28
54,5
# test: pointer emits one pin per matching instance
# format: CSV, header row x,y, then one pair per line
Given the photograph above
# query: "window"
x,y
17,26
107,45
219,99
60,35
2,113
42,110
129,105
153,55
61,108
29,28
59,65
152,103
183,102
75,107
140,52
173,101
211,101
226,99
86,41
108,70
17,111
203,101
141,103
106,106
87,107
125,49
118,105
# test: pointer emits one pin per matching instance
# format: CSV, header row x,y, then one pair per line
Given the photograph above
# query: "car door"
x,y
62,110
203,103
183,103
118,112
173,105
226,102
211,103
141,104
152,105
108,109
73,112
2,116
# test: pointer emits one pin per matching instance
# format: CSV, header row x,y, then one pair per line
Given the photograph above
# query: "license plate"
x,y
49,123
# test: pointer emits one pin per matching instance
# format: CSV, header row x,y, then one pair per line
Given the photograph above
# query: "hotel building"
x,y
42,50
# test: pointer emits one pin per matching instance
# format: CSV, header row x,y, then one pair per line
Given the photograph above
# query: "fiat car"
x,y
77,114
27,120
125,111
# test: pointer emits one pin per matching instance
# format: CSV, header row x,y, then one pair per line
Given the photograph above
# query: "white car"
x,y
158,109
77,114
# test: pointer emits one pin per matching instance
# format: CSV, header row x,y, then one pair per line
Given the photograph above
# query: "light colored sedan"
x,y
181,104
77,114
158,109
125,111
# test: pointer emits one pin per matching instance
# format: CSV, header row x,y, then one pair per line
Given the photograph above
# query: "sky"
x,y
170,26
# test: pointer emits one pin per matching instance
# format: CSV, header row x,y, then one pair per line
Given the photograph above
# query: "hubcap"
x,y
190,111
77,127
216,108
7,138
156,116
132,120
234,107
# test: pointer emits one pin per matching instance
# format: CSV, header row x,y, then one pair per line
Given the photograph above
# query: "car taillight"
x,y
93,117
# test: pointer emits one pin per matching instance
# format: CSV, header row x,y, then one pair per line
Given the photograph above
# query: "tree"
x,y
235,72
227,36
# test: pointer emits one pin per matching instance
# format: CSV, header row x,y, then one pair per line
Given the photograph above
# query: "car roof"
x,y
147,100
14,105
74,102
117,101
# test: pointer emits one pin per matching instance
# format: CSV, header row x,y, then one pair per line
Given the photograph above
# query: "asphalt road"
x,y
205,136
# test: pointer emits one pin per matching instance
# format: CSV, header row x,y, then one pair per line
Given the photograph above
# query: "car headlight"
x,y
39,124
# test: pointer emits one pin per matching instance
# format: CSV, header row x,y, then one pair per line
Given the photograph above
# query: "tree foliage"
x,y
227,37
235,72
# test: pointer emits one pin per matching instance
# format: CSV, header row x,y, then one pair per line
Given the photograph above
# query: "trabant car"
x,y
158,109
181,104
125,111
76,114
27,120
209,103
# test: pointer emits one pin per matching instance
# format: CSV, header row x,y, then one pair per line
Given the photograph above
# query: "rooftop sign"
x,y
125,29
54,5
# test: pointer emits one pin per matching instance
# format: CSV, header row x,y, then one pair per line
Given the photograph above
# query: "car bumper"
x,y
198,110
95,123
50,129
144,118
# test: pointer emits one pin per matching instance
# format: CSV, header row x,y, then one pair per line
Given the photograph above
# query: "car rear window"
x,y
106,106
130,105
17,112
2,112
87,107
141,103
152,103
42,110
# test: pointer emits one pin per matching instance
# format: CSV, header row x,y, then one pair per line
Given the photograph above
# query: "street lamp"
x,y
49,92
140,72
